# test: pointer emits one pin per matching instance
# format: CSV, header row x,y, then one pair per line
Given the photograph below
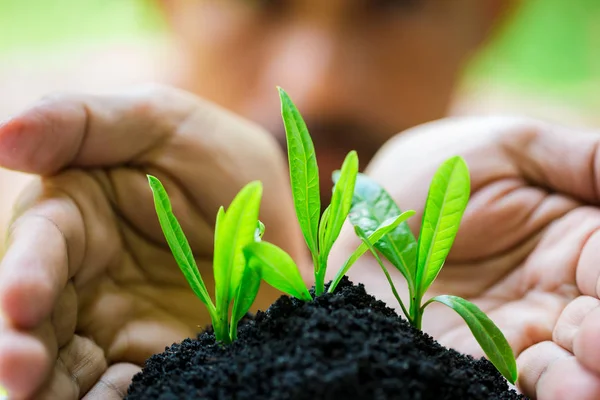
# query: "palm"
x,y
134,300
115,295
523,252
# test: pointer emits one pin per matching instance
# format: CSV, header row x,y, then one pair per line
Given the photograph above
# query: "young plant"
x,y
420,261
234,280
241,258
320,230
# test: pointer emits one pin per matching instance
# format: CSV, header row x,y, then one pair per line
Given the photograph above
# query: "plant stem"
x,y
221,331
396,295
319,276
416,312
387,274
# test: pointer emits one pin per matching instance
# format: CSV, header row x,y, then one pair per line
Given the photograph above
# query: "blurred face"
x,y
358,70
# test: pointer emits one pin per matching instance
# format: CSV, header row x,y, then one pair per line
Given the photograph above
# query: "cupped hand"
x,y
88,287
528,250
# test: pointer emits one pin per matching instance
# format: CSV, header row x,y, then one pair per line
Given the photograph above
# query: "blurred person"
x,y
360,70
88,290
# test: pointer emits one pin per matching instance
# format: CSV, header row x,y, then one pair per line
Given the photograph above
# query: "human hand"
x,y
88,288
528,249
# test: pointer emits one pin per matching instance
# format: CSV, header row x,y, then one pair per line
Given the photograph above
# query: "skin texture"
x,y
100,293
526,252
88,289
101,288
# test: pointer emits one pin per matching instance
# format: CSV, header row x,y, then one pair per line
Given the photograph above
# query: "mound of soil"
x,y
345,345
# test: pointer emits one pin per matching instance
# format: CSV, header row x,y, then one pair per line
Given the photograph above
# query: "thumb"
x,y
91,131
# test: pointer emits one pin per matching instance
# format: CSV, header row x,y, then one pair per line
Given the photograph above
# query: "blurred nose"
x,y
307,60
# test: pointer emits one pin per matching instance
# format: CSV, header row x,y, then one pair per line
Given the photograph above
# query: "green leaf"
x,y
384,229
304,172
277,269
244,298
341,201
178,243
371,206
235,229
260,231
490,338
446,202
323,226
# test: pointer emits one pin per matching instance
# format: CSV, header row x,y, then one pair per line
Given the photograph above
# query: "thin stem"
x,y
385,271
319,281
221,331
420,310
389,279
416,311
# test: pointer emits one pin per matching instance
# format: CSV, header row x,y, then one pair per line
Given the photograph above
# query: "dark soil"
x,y
342,346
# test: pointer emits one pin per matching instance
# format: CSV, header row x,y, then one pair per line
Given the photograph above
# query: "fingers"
x,y
549,372
562,159
114,382
588,268
24,363
28,288
45,244
201,147
578,329
90,130
48,244
79,366
570,320
496,148
26,358
586,345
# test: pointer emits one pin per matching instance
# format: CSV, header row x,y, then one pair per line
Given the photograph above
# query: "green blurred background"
x,y
552,46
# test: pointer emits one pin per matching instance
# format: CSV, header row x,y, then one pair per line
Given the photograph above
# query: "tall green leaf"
x,y
235,230
244,298
446,202
341,201
384,229
490,338
371,206
277,269
178,243
304,172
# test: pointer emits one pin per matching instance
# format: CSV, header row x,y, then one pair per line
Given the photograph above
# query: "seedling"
x,y
242,258
234,229
420,261
320,231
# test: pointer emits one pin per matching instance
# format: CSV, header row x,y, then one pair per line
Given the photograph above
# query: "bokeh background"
x,y
545,62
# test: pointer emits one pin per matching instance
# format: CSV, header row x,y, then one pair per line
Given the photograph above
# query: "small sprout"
x,y
235,280
319,233
420,261
242,259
